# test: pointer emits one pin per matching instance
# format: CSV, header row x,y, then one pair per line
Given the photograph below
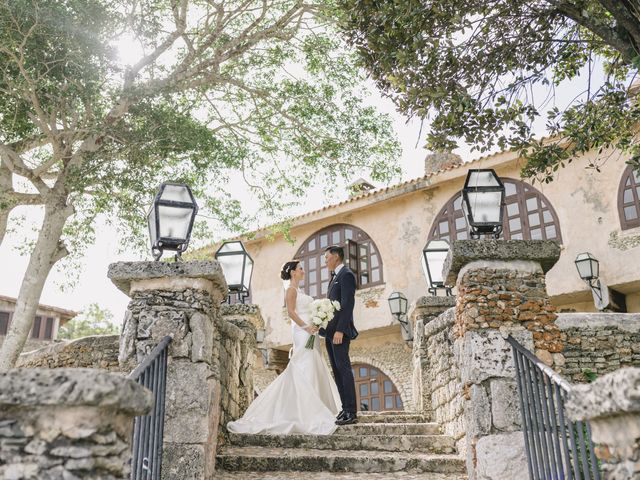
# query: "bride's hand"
x,y
311,329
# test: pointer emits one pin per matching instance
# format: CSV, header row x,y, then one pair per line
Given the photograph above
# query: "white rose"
x,y
336,305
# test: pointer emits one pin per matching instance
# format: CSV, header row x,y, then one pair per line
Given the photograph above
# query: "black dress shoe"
x,y
341,415
347,419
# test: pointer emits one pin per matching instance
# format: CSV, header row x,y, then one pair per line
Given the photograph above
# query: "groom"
x,y
340,331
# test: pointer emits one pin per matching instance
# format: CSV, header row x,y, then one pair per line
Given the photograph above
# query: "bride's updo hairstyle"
x,y
287,268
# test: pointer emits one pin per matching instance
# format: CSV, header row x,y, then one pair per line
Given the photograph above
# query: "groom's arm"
x,y
347,301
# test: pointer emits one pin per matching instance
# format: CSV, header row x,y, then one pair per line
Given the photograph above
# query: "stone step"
x,y
362,428
263,459
392,417
389,443
296,475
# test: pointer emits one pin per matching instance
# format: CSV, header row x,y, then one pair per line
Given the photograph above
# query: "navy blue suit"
x,y
343,289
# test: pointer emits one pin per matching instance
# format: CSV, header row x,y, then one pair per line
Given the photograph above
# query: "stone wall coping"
x,y
463,252
91,341
627,322
122,274
433,301
240,309
613,394
66,387
445,320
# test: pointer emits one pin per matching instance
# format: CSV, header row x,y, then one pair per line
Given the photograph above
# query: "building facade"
x,y
45,326
384,231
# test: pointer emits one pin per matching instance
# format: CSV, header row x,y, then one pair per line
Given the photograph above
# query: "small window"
x,y
48,329
35,331
629,199
4,323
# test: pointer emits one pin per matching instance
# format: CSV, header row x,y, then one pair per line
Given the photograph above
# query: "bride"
x,y
303,399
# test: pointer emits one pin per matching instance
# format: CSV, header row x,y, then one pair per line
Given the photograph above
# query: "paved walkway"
x,y
335,476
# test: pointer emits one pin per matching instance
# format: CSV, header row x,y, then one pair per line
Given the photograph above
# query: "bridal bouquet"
x,y
322,312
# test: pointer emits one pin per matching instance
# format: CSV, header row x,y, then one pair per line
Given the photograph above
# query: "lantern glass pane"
x,y
232,269
403,305
436,253
485,206
587,265
176,193
231,247
174,221
394,304
483,179
151,221
248,268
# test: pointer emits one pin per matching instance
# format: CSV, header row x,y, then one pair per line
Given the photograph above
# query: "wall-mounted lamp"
x,y
604,298
434,254
482,201
237,266
398,305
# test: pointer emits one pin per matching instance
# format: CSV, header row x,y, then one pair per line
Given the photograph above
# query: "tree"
x,y
484,71
263,89
92,321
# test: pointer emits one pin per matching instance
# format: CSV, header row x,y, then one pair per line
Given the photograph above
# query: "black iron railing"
x,y
146,458
557,448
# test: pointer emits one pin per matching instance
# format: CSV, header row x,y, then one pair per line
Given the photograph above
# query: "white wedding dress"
x,y
303,399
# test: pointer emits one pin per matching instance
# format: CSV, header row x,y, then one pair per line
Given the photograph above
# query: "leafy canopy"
x,y
93,320
485,71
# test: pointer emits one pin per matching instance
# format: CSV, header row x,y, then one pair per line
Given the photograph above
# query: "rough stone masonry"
x,y
501,291
67,424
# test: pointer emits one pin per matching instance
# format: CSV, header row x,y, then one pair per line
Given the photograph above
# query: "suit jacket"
x,y
343,289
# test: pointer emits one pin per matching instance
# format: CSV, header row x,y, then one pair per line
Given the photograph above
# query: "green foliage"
x,y
473,67
92,321
589,374
261,93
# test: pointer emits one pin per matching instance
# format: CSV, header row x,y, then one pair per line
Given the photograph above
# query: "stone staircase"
x,y
405,446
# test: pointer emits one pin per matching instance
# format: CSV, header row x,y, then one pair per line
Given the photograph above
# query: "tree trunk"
x,y
48,250
6,185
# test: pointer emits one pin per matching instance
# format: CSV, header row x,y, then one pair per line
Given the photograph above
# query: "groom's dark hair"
x,y
337,250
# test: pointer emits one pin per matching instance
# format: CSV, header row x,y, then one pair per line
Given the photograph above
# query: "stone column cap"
x,y
438,302
123,273
250,311
614,394
463,252
37,387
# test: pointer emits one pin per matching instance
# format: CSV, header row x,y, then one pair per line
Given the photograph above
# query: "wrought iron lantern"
x,y
604,298
483,200
237,266
434,254
588,267
170,219
398,304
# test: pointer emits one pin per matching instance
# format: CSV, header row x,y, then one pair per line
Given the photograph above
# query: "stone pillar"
x,y
501,291
179,299
611,404
67,423
238,358
424,311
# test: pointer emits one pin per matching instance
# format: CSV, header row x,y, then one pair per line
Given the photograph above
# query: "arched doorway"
x,y
374,390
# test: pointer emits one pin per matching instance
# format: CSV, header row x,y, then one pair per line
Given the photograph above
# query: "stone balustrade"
x,y
611,404
67,423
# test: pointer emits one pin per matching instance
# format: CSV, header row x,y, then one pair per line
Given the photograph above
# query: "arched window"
x,y
629,199
374,390
528,215
361,256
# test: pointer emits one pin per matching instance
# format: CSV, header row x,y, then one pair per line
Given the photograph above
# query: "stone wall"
x,y
237,358
442,373
612,406
99,351
424,311
599,343
67,424
393,359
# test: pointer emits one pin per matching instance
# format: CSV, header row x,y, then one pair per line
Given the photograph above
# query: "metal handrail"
x,y
148,430
557,449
